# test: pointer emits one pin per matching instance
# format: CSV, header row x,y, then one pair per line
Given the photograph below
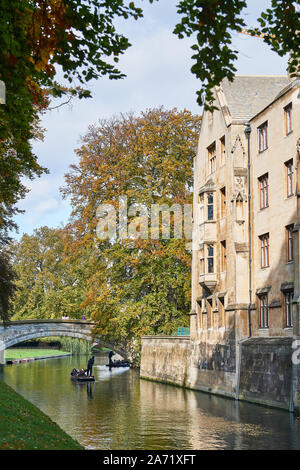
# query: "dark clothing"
x,y
90,366
110,355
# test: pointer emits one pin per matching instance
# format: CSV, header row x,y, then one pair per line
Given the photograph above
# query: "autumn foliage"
x,y
136,286
40,38
129,286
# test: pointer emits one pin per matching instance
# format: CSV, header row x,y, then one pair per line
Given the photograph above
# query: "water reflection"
x,y
120,411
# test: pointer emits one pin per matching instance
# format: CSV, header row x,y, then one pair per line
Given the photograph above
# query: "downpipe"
x,y
248,132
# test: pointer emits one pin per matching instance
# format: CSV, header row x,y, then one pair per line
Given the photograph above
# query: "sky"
x,y
157,69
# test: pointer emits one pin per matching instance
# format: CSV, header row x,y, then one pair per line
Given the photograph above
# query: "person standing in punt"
x,y
90,366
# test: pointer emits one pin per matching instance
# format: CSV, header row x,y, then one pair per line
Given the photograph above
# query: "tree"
x,y
48,286
139,284
213,21
7,284
37,37
78,36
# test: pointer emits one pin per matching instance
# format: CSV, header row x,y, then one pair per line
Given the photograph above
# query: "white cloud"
x,y
43,204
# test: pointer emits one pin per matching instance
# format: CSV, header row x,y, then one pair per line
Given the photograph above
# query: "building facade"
x,y
244,274
246,257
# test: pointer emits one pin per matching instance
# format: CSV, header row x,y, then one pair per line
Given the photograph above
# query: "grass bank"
x,y
20,353
24,427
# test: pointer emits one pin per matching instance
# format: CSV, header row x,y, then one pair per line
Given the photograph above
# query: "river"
x,y
120,411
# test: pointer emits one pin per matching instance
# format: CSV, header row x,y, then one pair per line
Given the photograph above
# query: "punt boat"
x,y
82,378
124,364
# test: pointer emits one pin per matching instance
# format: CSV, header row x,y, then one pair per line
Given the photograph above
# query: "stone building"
x,y
240,292
245,268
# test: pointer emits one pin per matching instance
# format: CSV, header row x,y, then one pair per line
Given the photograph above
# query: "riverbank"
x,y
15,355
24,427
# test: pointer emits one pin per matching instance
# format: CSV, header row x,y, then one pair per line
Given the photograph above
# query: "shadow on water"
x,y
120,411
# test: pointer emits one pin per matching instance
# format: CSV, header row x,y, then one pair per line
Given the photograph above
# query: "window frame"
x,y
263,137
288,120
289,243
210,257
288,308
264,312
210,206
263,182
264,250
289,168
212,157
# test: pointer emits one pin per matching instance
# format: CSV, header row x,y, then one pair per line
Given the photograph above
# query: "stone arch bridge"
x,y
18,331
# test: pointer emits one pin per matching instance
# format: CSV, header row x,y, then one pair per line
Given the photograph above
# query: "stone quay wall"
x,y
261,370
266,371
166,359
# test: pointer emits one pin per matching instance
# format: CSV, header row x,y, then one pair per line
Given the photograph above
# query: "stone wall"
x,y
266,371
166,359
213,365
179,361
262,374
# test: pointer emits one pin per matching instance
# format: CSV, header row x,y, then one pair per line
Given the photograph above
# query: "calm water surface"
x,y
120,411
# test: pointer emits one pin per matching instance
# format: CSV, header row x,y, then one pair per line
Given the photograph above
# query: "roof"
x,y
248,94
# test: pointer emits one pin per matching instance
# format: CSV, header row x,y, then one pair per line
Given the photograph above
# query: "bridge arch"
x,y
16,332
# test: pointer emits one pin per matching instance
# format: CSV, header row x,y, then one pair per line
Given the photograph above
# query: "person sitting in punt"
x,y
74,372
